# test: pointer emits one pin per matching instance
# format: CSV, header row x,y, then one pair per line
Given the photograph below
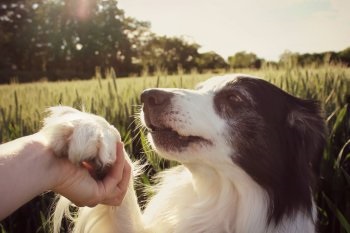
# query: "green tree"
x,y
289,59
139,35
344,56
16,26
64,39
169,53
211,61
244,60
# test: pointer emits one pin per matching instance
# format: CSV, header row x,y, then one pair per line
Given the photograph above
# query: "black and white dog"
x,y
249,153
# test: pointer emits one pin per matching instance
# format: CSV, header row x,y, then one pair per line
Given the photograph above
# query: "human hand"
x,y
78,185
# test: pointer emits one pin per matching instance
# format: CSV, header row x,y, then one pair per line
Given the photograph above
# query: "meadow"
x,y
22,108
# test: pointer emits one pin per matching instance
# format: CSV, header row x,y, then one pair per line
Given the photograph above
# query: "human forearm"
x,y
28,167
25,171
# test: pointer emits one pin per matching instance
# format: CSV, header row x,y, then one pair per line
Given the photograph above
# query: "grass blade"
x,y
344,223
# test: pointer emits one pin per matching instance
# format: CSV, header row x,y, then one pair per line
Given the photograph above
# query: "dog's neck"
x,y
206,179
218,178
216,185
212,192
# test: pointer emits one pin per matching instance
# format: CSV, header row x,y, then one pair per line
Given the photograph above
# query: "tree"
x,y
244,60
169,53
15,33
62,39
344,56
139,35
210,61
289,59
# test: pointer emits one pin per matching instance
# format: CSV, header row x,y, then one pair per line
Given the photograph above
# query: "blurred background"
x,y
100,55
66,39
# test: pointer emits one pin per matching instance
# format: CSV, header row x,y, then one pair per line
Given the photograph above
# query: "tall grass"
x,y
22,109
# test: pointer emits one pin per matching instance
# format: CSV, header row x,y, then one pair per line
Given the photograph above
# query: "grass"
x,y
22,109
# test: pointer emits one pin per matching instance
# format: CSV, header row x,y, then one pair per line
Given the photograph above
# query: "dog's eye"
x,y
234,98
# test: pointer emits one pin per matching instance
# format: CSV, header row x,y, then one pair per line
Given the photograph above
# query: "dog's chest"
x,y
177,207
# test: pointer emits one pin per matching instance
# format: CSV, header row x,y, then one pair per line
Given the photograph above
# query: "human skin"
x,y
28,167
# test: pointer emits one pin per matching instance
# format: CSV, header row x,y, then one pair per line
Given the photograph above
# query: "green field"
x,y
22,108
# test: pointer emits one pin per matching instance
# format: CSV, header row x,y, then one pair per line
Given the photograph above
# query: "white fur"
x,y
81,136
208,193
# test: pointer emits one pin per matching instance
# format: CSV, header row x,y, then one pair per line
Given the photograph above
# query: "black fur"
x,y
278,141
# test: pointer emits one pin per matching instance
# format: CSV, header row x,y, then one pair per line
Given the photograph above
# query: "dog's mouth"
x,y
170,139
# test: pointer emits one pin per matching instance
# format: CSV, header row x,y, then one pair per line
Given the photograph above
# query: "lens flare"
x,y
81,9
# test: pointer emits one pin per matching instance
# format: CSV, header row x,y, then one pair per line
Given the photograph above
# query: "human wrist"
x,y
47,165
27,164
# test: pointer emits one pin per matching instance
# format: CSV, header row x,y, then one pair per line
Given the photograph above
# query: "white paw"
x,y
81,136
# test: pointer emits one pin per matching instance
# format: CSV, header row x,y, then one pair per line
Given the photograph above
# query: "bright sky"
x,y
265,27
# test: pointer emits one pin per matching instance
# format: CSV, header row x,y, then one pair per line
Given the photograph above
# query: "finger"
x,y
115,175
124,183
117,170
88,167
121,189
108,185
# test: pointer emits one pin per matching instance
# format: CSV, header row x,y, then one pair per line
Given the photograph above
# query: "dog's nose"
x,y
155,97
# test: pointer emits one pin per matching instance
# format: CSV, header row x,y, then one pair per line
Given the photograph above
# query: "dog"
x,y
249,155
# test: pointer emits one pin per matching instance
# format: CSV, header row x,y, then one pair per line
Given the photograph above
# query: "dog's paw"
x,y
81,136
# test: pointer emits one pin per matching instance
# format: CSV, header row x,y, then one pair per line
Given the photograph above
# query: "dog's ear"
x,y
307,131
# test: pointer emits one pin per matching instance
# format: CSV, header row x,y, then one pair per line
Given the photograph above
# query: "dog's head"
x,y
236,119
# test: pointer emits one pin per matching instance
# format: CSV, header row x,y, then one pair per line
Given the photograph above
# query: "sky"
x,y
264,27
